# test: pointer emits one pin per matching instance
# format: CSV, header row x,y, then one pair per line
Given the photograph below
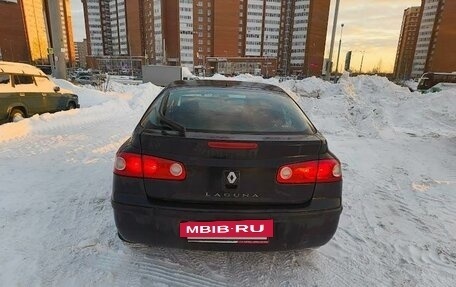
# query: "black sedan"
x,y
226,165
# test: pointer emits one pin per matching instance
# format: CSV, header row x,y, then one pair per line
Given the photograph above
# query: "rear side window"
x,y
4,79
233,110
23,79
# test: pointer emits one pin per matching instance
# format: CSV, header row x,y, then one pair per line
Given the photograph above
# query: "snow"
x,y
398,226
186,73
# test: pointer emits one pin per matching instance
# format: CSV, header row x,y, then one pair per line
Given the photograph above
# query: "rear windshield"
x,y
232,110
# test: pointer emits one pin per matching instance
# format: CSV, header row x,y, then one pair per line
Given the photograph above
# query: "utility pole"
x,y
340,44
55,20
362,59
331,48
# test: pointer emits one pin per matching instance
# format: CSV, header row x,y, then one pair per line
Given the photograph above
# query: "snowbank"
x,y
369,105
96,106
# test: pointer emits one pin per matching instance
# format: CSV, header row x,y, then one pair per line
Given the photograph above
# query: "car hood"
x,y
66,91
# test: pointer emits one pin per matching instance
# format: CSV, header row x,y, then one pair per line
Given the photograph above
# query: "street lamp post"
x,y
361,65
57,39
331,47
338,52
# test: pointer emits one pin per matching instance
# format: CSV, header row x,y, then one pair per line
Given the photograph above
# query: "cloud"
x,y
371,26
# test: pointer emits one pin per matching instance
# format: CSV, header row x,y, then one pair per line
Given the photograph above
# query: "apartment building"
x,y
114,32
436,41
13,41
81,53
106,27
407,43
188,32
24,29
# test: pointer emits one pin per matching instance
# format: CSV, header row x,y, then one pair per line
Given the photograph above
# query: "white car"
x,y
25,90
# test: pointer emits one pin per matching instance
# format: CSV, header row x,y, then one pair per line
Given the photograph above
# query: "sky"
x,y
371,26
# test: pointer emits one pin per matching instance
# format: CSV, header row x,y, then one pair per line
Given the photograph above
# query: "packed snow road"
x,y
398,226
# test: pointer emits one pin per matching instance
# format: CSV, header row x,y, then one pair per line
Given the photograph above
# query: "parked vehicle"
x,y
434,82
226,165
25,90
87,80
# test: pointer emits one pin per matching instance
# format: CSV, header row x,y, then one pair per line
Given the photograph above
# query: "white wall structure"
x,y
271,28
94,21
118,27
186,33
107,27
254,28
158,33
301,18
64,31
424,37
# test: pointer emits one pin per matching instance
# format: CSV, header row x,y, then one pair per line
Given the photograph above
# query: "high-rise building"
x,y
114,27
81,53
407,43
114,31
189,32
436,38
31,28
67,31
13,40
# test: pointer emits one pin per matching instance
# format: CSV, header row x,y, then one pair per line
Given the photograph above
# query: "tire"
x,y
123,239
71,106
16,115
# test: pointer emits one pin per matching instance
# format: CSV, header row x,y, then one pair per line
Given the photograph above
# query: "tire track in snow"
x,y
263,268
145,267
202,262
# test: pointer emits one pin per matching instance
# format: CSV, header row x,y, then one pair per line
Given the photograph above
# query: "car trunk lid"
x,y
230,169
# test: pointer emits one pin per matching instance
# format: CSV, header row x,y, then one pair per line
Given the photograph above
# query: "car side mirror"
x,y
56,89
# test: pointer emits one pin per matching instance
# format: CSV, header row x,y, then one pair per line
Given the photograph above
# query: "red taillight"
x,y
325,170
159,168
134,165
128,164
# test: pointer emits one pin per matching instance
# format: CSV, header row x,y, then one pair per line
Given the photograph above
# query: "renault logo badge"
x,y
231,177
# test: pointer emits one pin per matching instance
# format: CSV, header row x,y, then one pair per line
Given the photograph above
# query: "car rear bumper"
x,y
294,228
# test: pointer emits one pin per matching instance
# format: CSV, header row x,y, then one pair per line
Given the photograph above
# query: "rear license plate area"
x,y
228,231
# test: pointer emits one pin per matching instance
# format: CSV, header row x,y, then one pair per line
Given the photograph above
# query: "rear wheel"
x,y
71,106
16,115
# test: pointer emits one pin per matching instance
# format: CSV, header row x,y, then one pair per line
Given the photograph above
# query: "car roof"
x,y
19,68
223,83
